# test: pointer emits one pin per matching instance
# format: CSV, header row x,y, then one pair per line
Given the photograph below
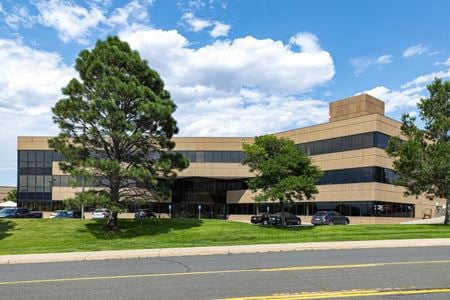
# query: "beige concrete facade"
x,y
355,115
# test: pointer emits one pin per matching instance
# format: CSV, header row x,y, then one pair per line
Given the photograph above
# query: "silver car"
x,y
101,213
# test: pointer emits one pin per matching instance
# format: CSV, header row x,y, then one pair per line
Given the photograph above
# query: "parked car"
x,y
19,213
101,213
66,214
329,218
144,213
291,219
260,219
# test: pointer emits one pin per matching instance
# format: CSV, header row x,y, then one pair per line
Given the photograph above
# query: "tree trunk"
x,y
283,217
112,224
447,213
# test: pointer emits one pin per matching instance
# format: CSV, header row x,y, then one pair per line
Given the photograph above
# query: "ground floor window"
x,y
354,208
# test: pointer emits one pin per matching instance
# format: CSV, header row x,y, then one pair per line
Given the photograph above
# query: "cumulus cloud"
x,y
361,64
220,29
243,86
30,81
418,49
409,93
70,20
396,99
196,24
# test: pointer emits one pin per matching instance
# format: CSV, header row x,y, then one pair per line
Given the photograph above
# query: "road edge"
x,y
217,250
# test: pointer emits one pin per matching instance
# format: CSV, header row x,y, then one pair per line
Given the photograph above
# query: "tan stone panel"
x,y
56,170
370,191
32,143
211,143
353,159
216,170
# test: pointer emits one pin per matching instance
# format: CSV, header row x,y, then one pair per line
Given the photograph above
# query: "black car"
x,y
144,213
260,219
329,218
19,213
291,219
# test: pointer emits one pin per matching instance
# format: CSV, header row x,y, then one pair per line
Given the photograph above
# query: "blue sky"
x,y
234,67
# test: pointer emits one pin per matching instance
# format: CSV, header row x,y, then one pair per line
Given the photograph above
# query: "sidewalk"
x,y
195,251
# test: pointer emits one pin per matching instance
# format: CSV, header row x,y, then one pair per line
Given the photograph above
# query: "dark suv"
x,y
291,219
144,213
329,218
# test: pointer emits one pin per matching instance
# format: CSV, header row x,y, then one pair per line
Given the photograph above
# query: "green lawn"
x,y
59,235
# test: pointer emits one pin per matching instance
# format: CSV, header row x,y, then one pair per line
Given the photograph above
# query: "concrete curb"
x,y
196,251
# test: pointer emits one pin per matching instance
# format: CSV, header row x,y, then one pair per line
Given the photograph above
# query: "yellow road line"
x,y
286,269
344,294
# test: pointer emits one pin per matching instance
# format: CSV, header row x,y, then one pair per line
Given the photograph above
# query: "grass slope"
x,y
59,235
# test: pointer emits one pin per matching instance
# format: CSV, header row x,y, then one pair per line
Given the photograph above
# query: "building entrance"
x,y
202,210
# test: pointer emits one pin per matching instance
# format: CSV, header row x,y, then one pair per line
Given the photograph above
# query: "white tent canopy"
x,y
8,204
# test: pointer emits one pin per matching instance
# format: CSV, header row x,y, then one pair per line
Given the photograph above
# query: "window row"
x,y
39,156
357,175
346,143
213,156
351,209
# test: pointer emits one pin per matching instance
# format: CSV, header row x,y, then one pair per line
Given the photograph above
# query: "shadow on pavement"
x,y
5,227
145,227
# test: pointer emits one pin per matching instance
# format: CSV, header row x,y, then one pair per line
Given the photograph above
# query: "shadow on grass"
x,y
5,227
145,227
290,228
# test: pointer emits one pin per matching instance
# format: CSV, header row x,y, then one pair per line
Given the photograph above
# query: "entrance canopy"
x,y
8,204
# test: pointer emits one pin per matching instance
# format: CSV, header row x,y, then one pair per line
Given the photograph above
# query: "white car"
x,y
101,213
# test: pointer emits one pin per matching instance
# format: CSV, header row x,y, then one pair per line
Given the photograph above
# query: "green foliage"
x,y
12,195
282,171
423,160
116,125
87,199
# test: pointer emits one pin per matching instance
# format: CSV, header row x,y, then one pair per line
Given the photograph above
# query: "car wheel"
x,y
346,222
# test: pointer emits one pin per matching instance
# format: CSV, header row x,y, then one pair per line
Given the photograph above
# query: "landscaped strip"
x,y
21,236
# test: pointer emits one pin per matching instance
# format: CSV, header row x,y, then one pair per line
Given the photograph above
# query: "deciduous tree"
x,y
282,172
422,161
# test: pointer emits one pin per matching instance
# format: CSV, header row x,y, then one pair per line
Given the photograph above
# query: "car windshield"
x,y
7,211
320,213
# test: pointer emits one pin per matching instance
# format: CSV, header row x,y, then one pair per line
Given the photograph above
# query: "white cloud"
x,y
418,49
397,99
426,78
220,29
133,12
384,59
30,81
244,86
444,63
361,64
72,21
196,24
19,16
409,93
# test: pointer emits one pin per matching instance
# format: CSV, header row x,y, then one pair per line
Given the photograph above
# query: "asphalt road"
x,y
402,273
